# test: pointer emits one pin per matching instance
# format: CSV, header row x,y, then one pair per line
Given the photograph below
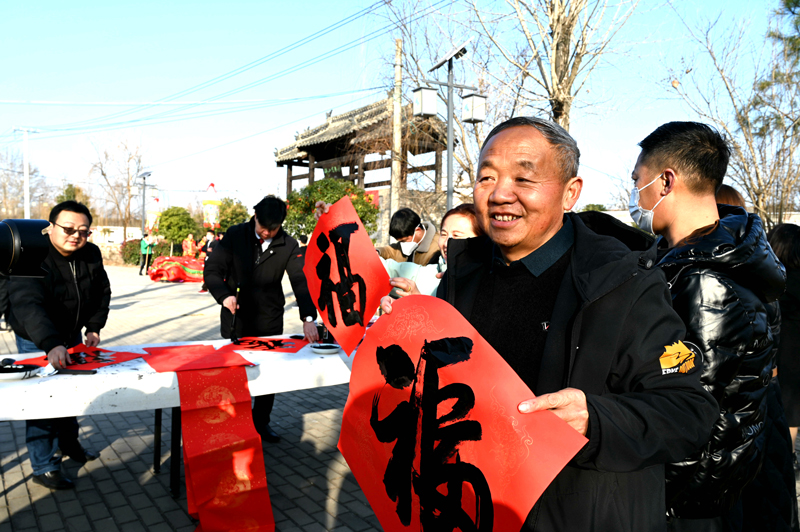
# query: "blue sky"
x,y
101,52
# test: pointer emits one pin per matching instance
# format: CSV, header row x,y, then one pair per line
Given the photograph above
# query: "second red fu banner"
x,y
226,482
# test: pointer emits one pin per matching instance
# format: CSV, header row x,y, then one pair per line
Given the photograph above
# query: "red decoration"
x,y
345,276
280,345
226,481
191,357
84,357
431,429
176,269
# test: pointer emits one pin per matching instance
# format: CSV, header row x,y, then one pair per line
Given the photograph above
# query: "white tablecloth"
x,y
134,385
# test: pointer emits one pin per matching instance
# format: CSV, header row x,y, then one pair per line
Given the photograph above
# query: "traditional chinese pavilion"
x,y
346,140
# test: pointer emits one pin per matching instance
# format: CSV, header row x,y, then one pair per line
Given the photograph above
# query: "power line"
x,y
187,116
326,55
268,103
117,104
247,137
235,72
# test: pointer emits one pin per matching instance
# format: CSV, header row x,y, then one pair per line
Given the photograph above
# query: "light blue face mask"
x,y
641,216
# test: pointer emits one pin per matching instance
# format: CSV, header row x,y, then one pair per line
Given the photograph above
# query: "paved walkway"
x,y
310,485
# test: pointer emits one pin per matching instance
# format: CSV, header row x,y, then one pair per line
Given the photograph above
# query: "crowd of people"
x,y
672,345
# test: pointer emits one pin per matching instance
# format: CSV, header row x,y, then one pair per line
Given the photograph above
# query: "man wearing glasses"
x,y
49,314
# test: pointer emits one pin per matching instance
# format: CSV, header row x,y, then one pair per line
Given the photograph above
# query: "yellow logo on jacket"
x,y
677,358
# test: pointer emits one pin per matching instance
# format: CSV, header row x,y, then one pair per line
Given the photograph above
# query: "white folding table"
x,y
134,385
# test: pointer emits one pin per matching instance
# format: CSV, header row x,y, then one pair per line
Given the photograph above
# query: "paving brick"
x,y
96,512
23,519
106,525
70,508
151,516
124,514
177,518
114,499
51,523
299,516
78,523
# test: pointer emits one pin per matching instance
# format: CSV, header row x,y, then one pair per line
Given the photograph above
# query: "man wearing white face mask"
x,y
723,278
416,240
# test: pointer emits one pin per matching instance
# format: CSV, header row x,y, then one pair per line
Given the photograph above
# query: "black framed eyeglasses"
x,y
83,233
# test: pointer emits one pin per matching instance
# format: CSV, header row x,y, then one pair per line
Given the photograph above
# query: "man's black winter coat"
x,y
721,287
611,324
52,310
261,300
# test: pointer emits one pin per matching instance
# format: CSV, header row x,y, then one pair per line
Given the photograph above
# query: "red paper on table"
x,y
189,357
431,429
84,357
344,274
226,480
281,345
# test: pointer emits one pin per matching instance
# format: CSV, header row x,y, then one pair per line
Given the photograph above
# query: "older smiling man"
x,y
575,306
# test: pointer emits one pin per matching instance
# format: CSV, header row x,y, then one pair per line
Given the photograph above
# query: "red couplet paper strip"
x,y
189,357
431,429
226,480
344,273
281,345
84,357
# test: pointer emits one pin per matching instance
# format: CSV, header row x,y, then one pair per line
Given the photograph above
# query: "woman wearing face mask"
x,y
409,278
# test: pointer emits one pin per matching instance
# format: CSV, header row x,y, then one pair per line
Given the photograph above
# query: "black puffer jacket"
x,y
52,310
721,286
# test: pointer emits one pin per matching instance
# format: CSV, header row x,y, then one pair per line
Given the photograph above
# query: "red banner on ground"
x,y
176,269
190,357
431,429
226,480
84,357
344,273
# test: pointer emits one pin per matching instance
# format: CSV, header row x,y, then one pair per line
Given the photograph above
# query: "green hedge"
x,y
130,251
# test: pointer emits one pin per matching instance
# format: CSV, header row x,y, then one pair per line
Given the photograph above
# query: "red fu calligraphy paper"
x,y
84,357
189,357
344,273
281,345
431,429
226,480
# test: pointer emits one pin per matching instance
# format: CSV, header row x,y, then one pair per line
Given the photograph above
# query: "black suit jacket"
x,y
261,300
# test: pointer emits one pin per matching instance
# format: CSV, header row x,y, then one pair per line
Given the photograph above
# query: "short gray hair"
x,y
566,148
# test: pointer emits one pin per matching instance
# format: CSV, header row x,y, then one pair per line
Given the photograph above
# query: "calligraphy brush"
x,y
234,338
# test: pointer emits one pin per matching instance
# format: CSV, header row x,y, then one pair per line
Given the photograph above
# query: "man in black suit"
x,y
253,258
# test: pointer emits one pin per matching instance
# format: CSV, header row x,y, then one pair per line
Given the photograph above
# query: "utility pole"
x,y
449,133
397,133
144,186
27,174
455,53
26,171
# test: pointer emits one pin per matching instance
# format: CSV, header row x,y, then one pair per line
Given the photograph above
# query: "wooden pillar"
x,y
438,170
361,171
288,179
310,169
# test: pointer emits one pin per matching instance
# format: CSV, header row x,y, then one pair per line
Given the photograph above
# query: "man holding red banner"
x,y
601,346
244,275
